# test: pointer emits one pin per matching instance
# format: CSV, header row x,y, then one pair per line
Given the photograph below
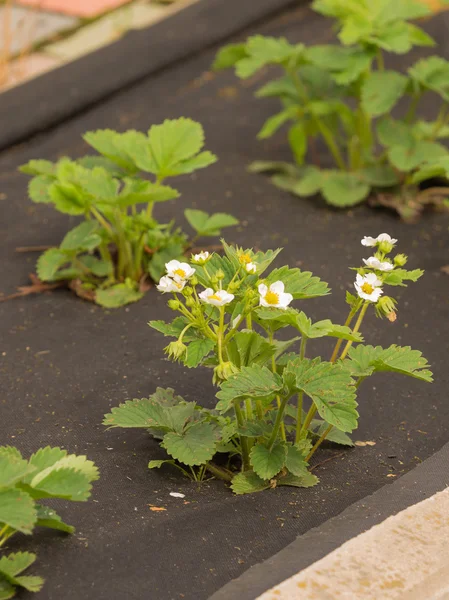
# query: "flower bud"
x,y
219,275
174,304
190,301
194,280
187,291
175,350
223,371
385,307
400,260
214,280
386,247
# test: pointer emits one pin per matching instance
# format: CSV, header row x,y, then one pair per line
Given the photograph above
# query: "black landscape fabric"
x,y
65,362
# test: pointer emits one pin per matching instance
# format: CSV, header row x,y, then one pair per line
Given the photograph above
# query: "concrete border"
x,y
424,481
58,95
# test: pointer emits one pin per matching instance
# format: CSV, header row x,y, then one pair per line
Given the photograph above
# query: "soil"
x,y
65,362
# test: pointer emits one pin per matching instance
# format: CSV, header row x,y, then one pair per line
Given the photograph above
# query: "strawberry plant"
x,y
49,473
342,95
275,406
111,254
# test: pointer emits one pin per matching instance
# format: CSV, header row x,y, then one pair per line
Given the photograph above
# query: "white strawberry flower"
x,y
219,298
201,257
374,263
274,296
167,284
382,237
251,267
179,271
368,287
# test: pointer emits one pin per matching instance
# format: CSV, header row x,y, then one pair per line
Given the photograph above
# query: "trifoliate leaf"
x,y
208,225
296,461
82,237
330,387
398,276
17,510
344,189
195,446
16,563
44,458
247,483
117,295
381,90
262,51
248,348
304,480
228,56
301,284
253,382
197,351
366,360
38,189
172,329
268,462
49,263
47,517
10,568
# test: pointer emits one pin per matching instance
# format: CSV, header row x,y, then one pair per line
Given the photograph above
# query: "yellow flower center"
x,y
180,272
215,297
244,259
178,285
271,298
367,288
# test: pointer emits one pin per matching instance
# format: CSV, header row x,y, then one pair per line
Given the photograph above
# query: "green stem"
x,y
440,122
243,439
218,472
102,220
348,321
277,427
259,409
331,143
411,112
220,334
302,353
310,414
319,442
249,409
355,330
278,398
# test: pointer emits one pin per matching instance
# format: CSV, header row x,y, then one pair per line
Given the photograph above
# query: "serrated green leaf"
x,y
38,189
432,73
330,386
208,225
381,90
394,133
17,510
247,483
98,267
49,263
108,143
38,167
82,237
301,284
228,56
195,446
47,517
296,461
172,329
252,382
406,158
305,480
117,295
7,591
366,360
145,413
13,469
92,161
268,462
248,348
61,482
44,458
197,351
265,50
344,189
15,563
67,199
398,276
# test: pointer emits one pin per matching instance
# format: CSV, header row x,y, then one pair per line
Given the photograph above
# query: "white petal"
x,y
385,237
263,302
284,300
277,287
369,241
386,266
263,290
360,280
204,295
372,279
172,266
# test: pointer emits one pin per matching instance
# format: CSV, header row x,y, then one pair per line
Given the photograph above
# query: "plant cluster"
x,y
275,406
342,94
49,473
110,255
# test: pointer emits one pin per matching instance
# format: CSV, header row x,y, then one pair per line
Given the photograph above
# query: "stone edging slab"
x,y
424,481
54,97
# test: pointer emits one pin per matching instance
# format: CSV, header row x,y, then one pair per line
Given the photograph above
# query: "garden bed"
x,y
65,362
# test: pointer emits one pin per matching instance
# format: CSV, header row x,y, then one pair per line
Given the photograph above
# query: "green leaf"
x,y
7,591
336,436
310,183
301,284
418,37
228,56
145,412
17,510
305,480
329,385
38,167
297,138
82,237
247,483
44,458
267,463
98,267
92,161
366,360
138,191
248,348
13,469
67,199
394,133
432,73
38,189
296,461
195,446
273,123
117,295
381,90
379,176
61,482
47,517
398,276
262,51
197,351
346,64
49,263
108,143
172,329
253,382
10,568
406,158
344,189
208,225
